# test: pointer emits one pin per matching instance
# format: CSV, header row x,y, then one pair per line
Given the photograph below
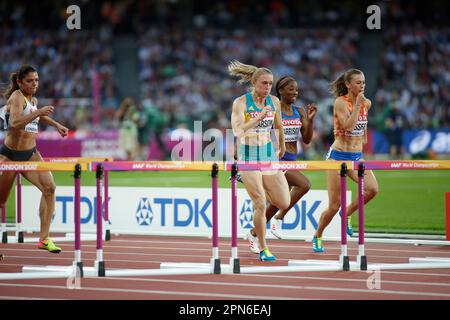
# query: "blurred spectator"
x,y
127,117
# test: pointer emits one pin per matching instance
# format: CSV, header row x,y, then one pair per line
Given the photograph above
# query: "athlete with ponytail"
x,y
297,123
21,117
253,116
350,112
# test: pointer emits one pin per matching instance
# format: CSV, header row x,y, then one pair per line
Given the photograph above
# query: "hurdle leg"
x,y
99,265
77,264
215,260
19,232
234,260
361,259
4,232
343,259
106,205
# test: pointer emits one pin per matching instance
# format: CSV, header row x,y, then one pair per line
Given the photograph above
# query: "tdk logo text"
x,y
303,213
185,211
88,208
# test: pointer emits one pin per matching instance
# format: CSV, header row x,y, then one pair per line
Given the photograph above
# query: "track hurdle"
x,y
19,237
414,263
165,268
344,262
293,265
38,272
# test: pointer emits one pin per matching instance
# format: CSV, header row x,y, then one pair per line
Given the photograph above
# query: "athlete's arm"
x,y
346,120
15,107
368,104
278,124
307,129
63,131
238,123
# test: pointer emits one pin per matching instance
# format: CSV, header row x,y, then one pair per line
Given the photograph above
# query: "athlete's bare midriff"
x,y
348,144
17,139
291,147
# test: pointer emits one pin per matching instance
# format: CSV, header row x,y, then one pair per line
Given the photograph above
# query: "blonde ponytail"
x,y
246,72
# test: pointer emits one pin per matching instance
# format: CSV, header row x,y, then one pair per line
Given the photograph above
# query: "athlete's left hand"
x,y
63,131
281,151
312,109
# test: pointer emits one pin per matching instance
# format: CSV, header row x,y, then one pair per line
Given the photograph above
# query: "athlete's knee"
x,y
259,205
282,203
307,186
370,191
49,189
334,206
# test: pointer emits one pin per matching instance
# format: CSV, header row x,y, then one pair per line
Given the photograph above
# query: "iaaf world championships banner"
x,y
173,211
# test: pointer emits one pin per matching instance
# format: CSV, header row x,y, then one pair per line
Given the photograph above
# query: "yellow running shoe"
x,y
49,245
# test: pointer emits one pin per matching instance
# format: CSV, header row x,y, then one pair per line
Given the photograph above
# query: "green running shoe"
x,y
49,245
266,255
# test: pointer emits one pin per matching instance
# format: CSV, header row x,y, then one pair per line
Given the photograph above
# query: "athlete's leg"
x,y
334,201
277,189
300,186
45,183
254,185
6,182
370,189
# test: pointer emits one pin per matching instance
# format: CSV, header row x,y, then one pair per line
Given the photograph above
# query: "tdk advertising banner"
x,y
173,211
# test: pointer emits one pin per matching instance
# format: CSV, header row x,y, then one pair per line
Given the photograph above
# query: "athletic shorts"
x,y
264,153
344,156
289,157
17,155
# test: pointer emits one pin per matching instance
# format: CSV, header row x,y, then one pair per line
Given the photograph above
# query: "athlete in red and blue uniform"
x,y
350,112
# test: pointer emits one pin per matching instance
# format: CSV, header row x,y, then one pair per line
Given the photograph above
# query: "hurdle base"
x,y
4,237
362,262
79,268
208,267
235,265
215,262
20,237
99,267
108,235
38,272
344,261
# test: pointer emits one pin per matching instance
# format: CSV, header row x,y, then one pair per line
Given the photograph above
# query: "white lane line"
x,y
280,286
173,293
383,281
253,285
27,298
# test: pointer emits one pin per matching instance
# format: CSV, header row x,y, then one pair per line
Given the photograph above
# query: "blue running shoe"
x,y
266,255
317,244
349,225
